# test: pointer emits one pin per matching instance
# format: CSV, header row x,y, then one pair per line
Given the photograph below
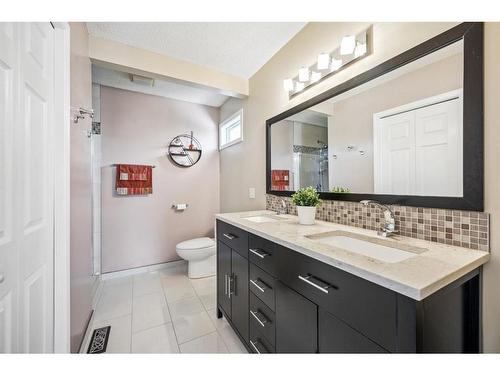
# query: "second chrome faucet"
x,y
388,228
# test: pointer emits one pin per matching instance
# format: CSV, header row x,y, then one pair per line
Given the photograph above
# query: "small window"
x,y
231,130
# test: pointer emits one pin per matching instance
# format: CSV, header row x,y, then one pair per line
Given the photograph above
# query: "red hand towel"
x,y
134,179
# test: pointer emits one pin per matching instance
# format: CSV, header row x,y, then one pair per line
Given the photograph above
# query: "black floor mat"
x,y
99,340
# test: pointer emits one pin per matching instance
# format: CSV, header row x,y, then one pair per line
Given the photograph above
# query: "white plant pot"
x,y
307,215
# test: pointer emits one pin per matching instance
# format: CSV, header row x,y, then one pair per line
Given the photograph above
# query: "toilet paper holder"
x,y
180,206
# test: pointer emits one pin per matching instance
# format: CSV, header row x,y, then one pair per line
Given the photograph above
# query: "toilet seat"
x,y
196,243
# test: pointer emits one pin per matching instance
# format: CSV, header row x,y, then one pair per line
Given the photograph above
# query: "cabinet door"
x,y
223,276
337,337
239,294
296,322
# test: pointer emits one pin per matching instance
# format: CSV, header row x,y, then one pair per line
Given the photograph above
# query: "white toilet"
x,y
200,254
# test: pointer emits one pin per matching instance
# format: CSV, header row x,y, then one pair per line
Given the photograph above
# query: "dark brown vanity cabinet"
x,y
232,281
282,301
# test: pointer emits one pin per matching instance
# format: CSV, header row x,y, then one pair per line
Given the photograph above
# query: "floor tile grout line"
x,y
168,304
171,319
216,329
207,334
203,310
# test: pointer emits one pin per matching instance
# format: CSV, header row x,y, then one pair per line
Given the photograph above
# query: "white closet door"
x,y
26,187
439,166
8,247
394,154
35,163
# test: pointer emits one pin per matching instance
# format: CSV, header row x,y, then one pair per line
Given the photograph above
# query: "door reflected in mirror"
x,y
398,134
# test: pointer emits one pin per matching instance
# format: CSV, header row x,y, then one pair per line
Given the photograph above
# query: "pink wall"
x,y
82,281
136,128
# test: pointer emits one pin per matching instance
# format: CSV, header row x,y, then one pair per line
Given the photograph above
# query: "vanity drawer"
x,y
233,237
262,253
263,318
365,306
262,285
258,343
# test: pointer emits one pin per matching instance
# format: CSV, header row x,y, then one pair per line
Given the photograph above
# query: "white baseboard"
x,y
145,269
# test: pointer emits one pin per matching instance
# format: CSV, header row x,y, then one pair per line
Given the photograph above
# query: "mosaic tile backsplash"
x,y
452,227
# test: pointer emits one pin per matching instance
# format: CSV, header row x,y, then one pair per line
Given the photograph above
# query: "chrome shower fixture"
x,y
80,114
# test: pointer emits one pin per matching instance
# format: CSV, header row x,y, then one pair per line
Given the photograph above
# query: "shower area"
x,y
310,156
96,157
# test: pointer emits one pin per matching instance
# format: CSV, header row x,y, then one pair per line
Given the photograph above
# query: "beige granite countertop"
x,y
416,277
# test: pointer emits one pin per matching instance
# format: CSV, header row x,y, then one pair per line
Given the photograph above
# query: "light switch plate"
x,y
251,193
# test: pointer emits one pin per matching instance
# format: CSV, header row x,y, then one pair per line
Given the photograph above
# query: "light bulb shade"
x,y
323,61
347,45
299,86
288,84
336,64
304,74
360,49
315,77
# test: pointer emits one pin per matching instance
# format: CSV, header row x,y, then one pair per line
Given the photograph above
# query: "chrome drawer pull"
x,y
261,288
259,253
262,322
225,284
229,236
324,288
254,347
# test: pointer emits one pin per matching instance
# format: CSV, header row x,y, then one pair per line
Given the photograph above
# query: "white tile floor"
x,y
163,312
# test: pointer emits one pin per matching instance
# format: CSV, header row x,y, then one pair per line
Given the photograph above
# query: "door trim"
x,y
62,326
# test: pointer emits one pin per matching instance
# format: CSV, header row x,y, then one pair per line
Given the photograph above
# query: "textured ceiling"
x,y
237,48
121,80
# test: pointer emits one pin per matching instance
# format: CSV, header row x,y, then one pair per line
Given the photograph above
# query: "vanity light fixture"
x,y
360,49
288,84
304,74
323,61
315,77
336,64
351,48
347,45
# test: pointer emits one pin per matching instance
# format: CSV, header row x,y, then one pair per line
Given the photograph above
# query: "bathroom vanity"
x,y
330,288
396,135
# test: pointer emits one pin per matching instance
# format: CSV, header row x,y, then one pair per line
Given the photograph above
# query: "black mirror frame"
x,y
473,124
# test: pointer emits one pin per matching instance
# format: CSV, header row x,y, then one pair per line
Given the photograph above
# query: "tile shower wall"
x,y
452,227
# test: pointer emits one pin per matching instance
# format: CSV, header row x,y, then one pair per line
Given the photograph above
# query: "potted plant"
x,y
306,200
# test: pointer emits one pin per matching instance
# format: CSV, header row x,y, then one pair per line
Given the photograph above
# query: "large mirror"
x,y
397,135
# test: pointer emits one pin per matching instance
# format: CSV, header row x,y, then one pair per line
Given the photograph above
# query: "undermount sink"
x,y
376,248
263,218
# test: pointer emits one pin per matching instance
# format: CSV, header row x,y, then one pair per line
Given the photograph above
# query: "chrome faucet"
x,y
389,227
284,210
